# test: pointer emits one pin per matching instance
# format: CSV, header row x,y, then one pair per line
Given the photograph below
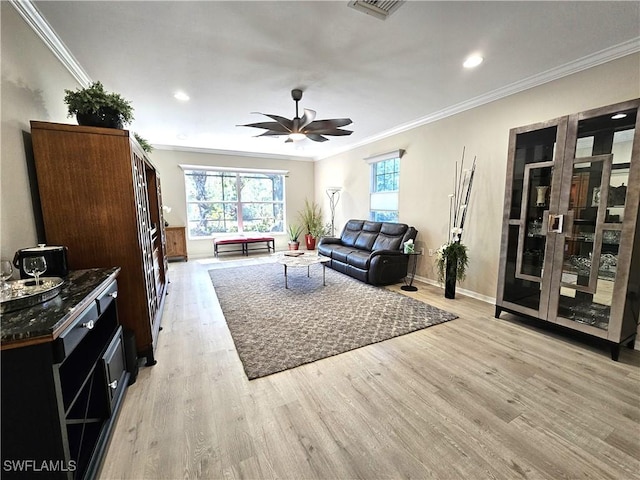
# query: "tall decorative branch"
x,y
452,257
461,193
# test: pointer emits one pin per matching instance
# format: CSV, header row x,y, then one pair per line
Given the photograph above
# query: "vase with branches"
x,y
452,258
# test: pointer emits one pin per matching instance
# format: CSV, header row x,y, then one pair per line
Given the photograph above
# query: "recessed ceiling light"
x,y
472,61
183,97
618,116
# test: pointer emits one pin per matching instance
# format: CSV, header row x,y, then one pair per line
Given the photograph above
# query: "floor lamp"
x,y
334,197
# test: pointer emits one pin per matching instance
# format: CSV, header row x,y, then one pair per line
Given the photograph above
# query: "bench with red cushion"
x,y
244,243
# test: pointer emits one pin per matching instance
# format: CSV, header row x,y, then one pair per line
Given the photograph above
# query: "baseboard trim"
x,y
462,291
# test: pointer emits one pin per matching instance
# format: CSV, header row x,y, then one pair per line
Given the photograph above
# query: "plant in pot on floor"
x,y
452,262
93,106
452,258
294,232
311,219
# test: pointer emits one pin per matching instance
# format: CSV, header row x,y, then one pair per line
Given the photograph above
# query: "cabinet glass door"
x,y
598,183
533,190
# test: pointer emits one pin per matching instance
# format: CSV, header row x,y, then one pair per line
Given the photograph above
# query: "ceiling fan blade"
x,y
272,133
275,126
308,117
332,131
285,122
328,124
316,138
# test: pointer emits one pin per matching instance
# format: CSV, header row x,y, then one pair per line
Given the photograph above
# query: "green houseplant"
x,y
452,256
294,231
311,219
94,106
144,144
319,230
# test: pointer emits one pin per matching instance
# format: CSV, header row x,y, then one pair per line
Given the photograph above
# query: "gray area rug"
x,y
275,329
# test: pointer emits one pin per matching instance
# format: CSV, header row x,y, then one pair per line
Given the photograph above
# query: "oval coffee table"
x,y
303,259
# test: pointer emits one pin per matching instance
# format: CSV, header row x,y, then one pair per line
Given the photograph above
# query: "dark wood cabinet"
x,y
570,242
100,197
176,242
64,377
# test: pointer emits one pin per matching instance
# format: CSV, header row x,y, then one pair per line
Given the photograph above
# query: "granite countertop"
x,y
43,322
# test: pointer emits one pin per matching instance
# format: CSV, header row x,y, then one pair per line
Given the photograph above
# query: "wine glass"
x,y
6,271
34,266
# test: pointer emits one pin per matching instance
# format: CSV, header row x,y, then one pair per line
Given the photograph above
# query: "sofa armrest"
x,y
329,240
388,253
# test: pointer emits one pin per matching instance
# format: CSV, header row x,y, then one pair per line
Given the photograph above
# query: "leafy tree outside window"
x,y
233,202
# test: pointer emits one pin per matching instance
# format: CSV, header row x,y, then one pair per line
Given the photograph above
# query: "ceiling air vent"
x,y
378,8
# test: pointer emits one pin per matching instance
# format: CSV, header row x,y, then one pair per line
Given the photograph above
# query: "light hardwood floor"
x,y
473,398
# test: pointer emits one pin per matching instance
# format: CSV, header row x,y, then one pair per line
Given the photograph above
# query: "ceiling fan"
x,y
302,127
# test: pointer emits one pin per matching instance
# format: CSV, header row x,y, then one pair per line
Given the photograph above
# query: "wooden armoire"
x,y
100,197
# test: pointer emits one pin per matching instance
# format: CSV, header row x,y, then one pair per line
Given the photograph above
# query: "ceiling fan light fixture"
x,y
297,136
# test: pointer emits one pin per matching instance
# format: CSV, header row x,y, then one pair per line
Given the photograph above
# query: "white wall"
x,y
33,83
298,186
427,168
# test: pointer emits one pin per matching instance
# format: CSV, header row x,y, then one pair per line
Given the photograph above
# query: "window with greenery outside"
x,y
233,202
385,184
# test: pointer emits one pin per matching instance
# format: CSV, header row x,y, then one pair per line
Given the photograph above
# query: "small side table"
x,y
411,273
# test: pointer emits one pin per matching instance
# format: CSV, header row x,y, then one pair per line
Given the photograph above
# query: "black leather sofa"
x,y
370,251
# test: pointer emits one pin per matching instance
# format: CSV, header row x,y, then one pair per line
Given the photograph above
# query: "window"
x,y
225,201
385,184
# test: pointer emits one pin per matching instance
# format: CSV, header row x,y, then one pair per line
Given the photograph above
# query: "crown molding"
x,y
38,24
235,153
603,56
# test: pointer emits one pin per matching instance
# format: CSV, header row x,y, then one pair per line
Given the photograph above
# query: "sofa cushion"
x,y
394,229
365,240
351,232
359,259
368,226
387,242
340,253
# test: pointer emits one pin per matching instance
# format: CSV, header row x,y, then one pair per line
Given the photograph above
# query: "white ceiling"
x,y
237,57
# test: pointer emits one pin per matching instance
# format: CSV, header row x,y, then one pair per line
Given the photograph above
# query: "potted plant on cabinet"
x,y
294,232
144,144
311,218
93,106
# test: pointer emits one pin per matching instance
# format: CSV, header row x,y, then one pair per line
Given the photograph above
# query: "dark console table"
x,y
64,377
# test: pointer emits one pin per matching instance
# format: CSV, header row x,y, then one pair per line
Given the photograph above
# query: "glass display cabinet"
x,y
570,241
